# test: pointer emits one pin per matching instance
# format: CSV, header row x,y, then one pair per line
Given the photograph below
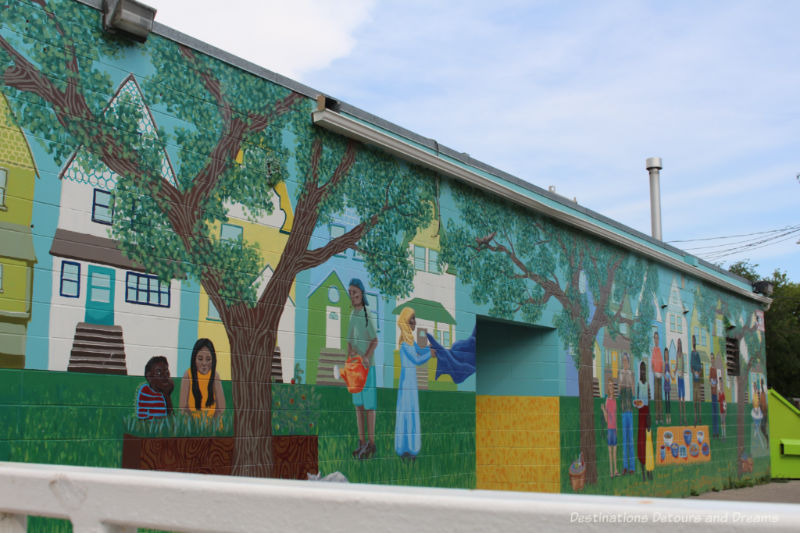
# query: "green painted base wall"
x,y
668,481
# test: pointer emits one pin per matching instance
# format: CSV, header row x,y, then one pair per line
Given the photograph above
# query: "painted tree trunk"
x,y
741,408
252,339
586,401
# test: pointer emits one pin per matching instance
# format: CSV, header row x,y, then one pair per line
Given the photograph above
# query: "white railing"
x,y
114,500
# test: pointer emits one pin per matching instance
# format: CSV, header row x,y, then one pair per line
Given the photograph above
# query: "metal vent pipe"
x,y
654,168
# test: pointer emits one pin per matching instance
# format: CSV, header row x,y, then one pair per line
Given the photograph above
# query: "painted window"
x,y
333,294
230,232
213,314
671,322
144,289
70,279
720,328
697,336
419,258
446,338
3,185
102,207
433,261
337,231
732,356
679,324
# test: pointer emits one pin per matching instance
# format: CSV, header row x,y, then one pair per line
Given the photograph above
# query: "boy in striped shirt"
x,y
153,398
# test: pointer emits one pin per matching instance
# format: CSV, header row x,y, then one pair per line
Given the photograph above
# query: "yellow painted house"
x,y
17,257
271,232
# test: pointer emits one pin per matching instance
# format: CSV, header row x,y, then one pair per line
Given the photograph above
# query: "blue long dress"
x,y
407,437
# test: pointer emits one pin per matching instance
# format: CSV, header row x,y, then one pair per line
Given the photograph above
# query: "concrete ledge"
x,y
100,499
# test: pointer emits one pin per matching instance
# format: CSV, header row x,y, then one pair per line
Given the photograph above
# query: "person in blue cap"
x,y
362,339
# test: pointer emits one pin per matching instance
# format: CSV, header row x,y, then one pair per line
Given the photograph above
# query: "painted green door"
x,y
100,296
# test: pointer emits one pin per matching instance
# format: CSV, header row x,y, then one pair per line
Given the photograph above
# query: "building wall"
x,y
518,396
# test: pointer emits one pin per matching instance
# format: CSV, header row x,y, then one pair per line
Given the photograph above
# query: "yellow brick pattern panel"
x,y
517,443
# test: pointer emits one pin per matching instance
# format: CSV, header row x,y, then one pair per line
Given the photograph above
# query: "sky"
x,y
574,95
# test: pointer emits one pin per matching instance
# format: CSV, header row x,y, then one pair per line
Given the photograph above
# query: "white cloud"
x,y
572,94
289,38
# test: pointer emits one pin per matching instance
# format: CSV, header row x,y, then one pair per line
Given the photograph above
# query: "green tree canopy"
x,y
782,323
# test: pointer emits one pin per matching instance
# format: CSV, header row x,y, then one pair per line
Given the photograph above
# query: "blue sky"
x,y
571,94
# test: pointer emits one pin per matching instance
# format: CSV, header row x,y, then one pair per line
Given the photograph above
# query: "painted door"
x,y
333,328
100,296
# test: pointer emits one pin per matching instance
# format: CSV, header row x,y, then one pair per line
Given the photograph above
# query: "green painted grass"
x,y
447,458
79,419
668,481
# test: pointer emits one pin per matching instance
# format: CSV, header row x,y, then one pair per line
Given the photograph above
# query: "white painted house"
x,y
676,326
107,314
433,298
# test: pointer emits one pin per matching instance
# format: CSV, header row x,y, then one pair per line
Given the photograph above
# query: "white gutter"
x,y
360,131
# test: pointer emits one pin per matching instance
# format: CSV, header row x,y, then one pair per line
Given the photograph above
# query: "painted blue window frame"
x,y
231,232
76,283
138,285
98,207
420,258
213,313
433,262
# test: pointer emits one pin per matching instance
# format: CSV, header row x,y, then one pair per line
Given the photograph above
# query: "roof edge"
x,y
461,157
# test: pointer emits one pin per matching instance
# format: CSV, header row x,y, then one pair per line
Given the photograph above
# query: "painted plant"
x,y
519,262
239,137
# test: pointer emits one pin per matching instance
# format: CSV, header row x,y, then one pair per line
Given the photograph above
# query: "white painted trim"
x,y
105,499
359,131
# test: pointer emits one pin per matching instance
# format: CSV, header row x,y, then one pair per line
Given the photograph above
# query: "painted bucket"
x,y
354,374
577,480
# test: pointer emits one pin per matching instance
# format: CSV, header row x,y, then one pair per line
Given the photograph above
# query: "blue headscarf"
x,y
355,282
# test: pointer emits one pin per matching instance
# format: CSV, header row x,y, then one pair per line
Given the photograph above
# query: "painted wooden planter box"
x,y
294,455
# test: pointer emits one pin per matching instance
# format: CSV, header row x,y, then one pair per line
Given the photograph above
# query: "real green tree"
x,y
238,138
782,322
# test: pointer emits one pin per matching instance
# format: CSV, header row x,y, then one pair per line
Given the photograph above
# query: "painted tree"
x,y
519,262
740,325
239,136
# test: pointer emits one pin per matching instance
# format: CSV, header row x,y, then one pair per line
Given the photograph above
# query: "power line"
x,y
736,236
743,242
719,254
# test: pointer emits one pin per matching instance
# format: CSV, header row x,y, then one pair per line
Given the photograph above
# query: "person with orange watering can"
x,y
362,340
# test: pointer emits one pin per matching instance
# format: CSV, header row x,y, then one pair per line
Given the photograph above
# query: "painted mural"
x,y
204,281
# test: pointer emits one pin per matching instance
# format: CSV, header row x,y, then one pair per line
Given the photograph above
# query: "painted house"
x,y
329,311
17,257
276,197
676,327
329,308
108,315
271,231
433,300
